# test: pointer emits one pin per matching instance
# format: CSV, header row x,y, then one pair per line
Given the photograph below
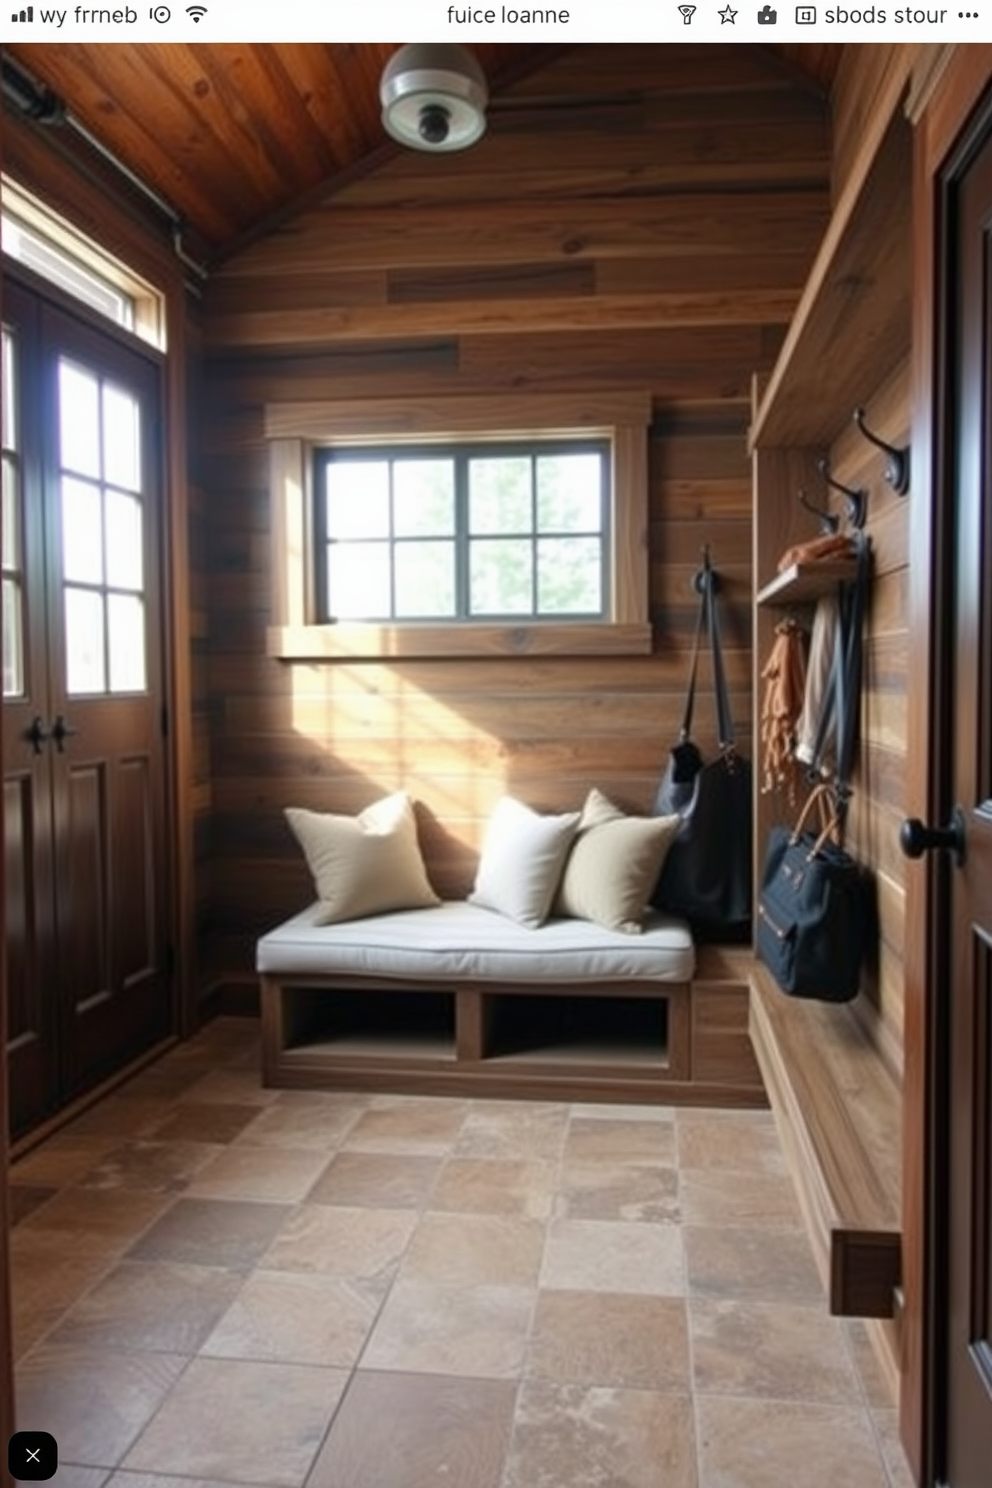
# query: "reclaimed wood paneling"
x,y
655,240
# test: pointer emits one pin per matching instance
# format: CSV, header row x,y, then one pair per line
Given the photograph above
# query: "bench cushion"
x,y
458,941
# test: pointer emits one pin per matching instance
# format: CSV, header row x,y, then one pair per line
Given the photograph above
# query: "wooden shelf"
x,y
852,324
804,582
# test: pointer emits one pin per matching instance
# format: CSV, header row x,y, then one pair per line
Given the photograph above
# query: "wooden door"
x,y
84,757
966,1108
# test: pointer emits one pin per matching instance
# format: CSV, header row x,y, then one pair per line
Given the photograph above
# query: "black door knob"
x,y
915,838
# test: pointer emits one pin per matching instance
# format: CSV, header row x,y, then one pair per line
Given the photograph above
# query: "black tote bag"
x,y
707,875
817,915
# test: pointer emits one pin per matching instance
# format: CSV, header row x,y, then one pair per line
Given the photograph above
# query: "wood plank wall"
x,y
635,219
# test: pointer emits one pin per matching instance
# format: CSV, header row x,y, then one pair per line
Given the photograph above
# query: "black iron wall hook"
x,y
857,500
829,521
705,576
897,470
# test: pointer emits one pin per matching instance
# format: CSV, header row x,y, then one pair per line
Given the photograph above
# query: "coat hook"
x,y
705,575
829,521
857,500
897,470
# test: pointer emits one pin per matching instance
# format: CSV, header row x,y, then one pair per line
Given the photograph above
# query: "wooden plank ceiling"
x,y
234,137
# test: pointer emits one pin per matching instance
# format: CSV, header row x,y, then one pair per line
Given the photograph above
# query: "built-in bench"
x,y
457,999
839,1111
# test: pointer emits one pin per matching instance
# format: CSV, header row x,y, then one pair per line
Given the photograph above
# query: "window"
x,y
43,242
463,533
11,544
102,521
480,525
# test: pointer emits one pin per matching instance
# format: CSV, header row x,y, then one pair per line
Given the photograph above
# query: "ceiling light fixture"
x,y
434,97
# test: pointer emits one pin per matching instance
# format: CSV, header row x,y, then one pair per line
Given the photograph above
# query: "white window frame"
x,y
293,430
20,211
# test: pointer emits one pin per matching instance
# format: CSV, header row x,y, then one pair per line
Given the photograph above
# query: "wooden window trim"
x,y
294,429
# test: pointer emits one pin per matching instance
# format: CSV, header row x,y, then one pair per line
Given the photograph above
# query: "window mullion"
x,y
463,544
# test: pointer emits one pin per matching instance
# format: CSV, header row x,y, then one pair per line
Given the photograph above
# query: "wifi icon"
x,y
196,11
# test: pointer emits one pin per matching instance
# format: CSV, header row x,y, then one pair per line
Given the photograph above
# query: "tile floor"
x,y
220,1284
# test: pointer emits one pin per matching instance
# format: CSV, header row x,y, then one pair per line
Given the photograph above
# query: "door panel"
x,y
94,822
969,1084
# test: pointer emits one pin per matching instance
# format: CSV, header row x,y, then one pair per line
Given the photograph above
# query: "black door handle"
x,y
62,730
915,838
37,733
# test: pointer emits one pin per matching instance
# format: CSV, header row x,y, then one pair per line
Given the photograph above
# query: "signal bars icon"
x,y
687,12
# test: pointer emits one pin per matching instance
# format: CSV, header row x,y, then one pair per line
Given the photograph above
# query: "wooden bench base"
x,y
839,1112
679,1043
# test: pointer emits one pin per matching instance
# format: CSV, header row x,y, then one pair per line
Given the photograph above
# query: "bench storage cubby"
x,y
460,1000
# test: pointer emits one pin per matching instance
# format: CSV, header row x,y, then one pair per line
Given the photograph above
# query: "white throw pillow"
x,y
614,865
522,859
366,864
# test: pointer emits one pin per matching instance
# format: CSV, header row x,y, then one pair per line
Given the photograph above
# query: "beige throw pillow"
x,y
614,865
522,858
366,864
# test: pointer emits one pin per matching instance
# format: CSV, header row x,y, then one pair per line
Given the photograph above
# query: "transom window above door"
x,y
463,533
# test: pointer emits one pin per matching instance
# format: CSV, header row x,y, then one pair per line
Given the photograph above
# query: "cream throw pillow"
x,y
366,864
522,858
614,865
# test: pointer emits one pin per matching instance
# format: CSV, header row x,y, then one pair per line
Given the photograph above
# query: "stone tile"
x,y
716,1197
71,1475
380,1180
244,1421
364,1244
733,1141
282,1174
150,1305
205,1121
296,1318
605,1111
592,1255
316,1124
496,1185
473,1331
49,1273
231,1233
62,1159
751,1265
427,1127
441,1431
236,1087
886,1424
475,1249
125,1117
110,1219
622,1141
770,1350
590,1436
764,1443
123,1479
514,1129
24,1198
597,1190
605,1338
93,1402
876,1382
153,1167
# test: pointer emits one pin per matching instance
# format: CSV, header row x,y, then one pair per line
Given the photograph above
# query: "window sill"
x,y
350,641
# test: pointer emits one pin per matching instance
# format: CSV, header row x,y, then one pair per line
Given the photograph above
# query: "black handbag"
x,y
707,876
816,908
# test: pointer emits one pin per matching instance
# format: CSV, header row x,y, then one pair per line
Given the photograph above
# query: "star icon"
x,y
726,14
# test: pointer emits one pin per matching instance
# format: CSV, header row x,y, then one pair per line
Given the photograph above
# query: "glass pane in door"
x,y
103,533
11,526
